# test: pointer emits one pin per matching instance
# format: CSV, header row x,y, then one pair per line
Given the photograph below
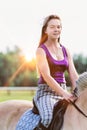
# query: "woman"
x,y
53,59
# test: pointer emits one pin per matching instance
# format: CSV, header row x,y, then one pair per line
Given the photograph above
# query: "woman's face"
x,y
53,29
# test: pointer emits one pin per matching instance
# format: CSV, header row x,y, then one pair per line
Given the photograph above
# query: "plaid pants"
x,y
45,100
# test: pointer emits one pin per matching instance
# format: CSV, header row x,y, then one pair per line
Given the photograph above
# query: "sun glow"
x,y
28,56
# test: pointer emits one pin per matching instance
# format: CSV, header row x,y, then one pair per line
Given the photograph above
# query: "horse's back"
x,y
11,111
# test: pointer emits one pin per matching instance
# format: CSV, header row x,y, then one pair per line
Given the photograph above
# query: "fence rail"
x,y
18,88
23,88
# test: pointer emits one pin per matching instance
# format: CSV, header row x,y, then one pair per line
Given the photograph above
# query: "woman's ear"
x,y
45,32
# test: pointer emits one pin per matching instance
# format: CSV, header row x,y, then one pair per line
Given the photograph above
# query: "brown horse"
x,y
10,111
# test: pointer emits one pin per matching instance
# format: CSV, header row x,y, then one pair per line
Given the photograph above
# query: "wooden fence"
x,y
19,88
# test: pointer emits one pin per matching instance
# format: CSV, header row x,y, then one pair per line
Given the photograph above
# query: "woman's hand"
x,y
69,96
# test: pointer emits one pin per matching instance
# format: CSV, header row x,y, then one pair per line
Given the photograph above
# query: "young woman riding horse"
x,y
53,59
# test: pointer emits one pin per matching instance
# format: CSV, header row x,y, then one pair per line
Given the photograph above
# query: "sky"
x,y
21,22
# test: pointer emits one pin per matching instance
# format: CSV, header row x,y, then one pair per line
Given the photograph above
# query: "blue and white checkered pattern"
x,y
28,121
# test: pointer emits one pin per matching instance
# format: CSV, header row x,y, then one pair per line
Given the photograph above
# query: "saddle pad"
x,y
28,121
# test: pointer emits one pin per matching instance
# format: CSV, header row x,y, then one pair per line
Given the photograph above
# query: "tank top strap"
x,y
64,51
45,49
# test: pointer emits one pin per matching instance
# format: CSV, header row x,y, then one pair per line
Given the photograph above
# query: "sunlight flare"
x,y
28,56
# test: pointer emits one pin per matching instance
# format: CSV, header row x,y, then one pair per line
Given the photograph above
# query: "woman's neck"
x,y
52,43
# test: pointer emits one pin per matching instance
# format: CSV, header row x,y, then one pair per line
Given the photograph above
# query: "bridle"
x,y
73,103
75,94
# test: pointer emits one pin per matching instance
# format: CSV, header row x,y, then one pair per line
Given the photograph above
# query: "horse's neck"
x,y
73,119
82,102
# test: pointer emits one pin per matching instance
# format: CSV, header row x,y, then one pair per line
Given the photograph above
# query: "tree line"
x,y
16,71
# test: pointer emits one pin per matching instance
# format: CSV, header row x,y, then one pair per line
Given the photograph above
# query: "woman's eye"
x,y
51,27
58,26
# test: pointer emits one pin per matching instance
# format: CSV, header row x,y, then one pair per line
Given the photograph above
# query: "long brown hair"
x,y
44,36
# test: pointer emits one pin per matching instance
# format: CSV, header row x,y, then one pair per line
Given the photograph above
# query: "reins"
x,y
73,103
75,93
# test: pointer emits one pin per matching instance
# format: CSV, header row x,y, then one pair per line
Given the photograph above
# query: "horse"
x,y
10,112
75,118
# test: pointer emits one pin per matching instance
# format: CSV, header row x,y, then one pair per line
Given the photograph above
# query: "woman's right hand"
x,y
68,96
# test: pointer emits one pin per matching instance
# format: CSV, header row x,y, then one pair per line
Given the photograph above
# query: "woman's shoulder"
x,y
40,51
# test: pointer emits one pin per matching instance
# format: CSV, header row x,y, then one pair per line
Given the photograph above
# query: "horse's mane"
x,y
81,83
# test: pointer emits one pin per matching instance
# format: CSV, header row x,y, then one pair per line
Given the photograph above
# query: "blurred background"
x,y
20,28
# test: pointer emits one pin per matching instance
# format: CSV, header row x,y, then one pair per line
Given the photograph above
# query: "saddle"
x,y
58,115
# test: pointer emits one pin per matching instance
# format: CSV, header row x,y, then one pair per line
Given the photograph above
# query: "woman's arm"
x,y
72,70
43,68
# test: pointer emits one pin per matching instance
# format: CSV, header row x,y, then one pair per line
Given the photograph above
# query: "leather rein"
x,y
73,103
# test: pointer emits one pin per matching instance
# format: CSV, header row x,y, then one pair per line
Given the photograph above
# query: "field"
x,y
20,95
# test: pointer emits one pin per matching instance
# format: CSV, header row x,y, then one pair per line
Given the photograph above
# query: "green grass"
x,y
18,95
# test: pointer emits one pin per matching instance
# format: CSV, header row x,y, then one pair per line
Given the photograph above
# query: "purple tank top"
x,y
57,67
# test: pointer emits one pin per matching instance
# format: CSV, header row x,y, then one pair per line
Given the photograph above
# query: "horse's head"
x,y
81,83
